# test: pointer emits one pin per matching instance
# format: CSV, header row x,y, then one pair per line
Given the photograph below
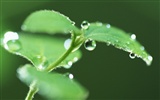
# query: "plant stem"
x,y
71,48
33,89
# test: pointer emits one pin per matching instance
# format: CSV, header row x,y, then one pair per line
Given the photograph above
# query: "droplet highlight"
x,y
67,43
108,26
108,43
150,58
90,44
71,76
132,55
85,25
133,36
10,36
142,48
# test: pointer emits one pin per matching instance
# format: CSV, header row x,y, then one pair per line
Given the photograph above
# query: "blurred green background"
x,y
108,73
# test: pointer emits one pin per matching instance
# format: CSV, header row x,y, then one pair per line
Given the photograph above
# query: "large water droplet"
x,y
13,45
133,36
108,25
132,55
85,25
90,44
11,41
67,43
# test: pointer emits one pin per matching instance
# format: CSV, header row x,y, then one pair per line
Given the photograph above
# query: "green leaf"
x,y
42,50
118,38
49,21
53,86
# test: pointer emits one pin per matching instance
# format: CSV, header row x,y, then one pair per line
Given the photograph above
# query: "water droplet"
x,y
142,48
67,43
75,59
11,41
23,27
108,43
132,55
133,36
90,44
108,25
68,65
85,25
150,58
73,23
41,62
71,76
13,45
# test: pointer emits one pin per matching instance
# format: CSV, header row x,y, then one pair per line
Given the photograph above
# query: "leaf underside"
x,y
42,50
53,85
118,38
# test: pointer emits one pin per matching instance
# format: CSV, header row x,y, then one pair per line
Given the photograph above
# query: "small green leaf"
x,y
49,21
53,86
118,38
42,50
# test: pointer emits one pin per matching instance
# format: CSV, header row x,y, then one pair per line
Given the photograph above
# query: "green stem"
x,y
33,89
71,48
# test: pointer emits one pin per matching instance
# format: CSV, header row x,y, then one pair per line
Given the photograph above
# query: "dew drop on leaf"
x,y
68,65
67,43
85,25
75,59
108,43
108,25
13,45
142,48
150,58
90,44
133,36
42,63
132,55
69,75
11,42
